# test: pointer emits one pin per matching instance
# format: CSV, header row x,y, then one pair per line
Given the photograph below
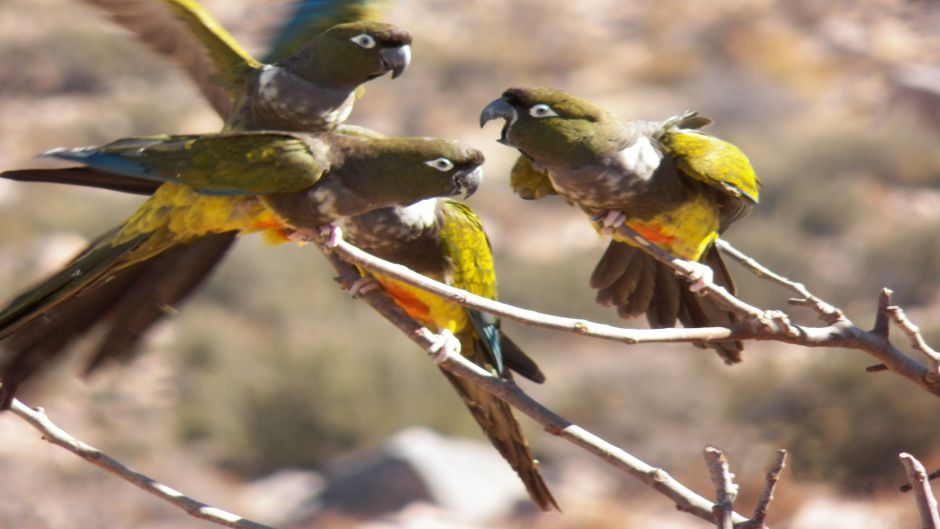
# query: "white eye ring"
x,y
541,110
441,164
365,40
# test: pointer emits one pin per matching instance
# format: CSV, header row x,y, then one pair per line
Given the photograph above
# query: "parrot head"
x,y
549,125
352,53
405,170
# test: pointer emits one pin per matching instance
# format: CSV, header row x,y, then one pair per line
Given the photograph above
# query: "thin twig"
x,y
757,324
725,489
926,502
917,340
767,496
684,498
827,312
57,436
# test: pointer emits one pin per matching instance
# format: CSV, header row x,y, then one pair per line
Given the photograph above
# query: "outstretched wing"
x,y
249,163
186,33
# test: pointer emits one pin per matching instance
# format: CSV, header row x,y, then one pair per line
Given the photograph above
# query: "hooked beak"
x,y
468,181
499,108
396,59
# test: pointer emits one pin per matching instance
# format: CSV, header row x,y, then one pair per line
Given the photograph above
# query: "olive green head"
x,y
406,170
552,126
347,55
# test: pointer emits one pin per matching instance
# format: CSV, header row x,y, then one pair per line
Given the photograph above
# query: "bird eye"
x,y
441,164
364,40
541,110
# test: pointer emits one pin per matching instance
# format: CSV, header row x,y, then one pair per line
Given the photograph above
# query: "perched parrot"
x,y
676,186
315,87
444,240
284,184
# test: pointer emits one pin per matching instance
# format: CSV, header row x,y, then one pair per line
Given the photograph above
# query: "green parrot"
x,y
673,184
327,74
287,185
310,84
444,240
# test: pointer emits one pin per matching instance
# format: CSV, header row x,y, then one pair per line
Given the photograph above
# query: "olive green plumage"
x,y
676,186
444,240
283,184
294,93
306,87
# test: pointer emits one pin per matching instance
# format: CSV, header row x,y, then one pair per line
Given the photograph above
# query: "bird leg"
x,y
445,344
363,285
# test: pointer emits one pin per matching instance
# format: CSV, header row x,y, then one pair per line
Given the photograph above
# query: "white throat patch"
x,y
420,214
641,158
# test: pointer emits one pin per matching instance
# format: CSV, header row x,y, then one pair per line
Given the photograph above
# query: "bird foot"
x,y
330,234
700,274
302,236
612,220
363,285
445,344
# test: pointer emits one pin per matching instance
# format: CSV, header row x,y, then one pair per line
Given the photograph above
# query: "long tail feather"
x,y
631,280
85,176
496,419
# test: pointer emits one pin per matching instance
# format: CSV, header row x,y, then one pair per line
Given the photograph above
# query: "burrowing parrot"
x,y
315,88
444,240
284,184
675,185
312,79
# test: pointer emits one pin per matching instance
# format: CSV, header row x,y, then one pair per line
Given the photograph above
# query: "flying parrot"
x,y
320,59
673,184
316,84
286,185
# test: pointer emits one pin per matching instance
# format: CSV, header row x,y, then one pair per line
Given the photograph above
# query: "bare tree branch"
x,y
917,340
57,436
926,502
827,312
757,324
657,478
725,489
773,475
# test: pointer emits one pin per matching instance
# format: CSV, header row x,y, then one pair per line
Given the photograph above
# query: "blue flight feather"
x,y
112,163
485,325
298,27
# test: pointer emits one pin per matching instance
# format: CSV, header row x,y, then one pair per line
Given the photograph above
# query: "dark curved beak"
x,y
396,59
498,108
468,181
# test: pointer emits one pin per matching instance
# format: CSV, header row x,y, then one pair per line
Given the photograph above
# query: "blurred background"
x,y
274,395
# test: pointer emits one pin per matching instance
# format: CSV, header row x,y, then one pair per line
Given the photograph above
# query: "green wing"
x,y
528,182
245,163
232,63
468,250
186,33
471,269
716,162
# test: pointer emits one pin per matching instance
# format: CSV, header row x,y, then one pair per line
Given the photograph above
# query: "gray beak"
x,y
499,108
469,181
396,59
